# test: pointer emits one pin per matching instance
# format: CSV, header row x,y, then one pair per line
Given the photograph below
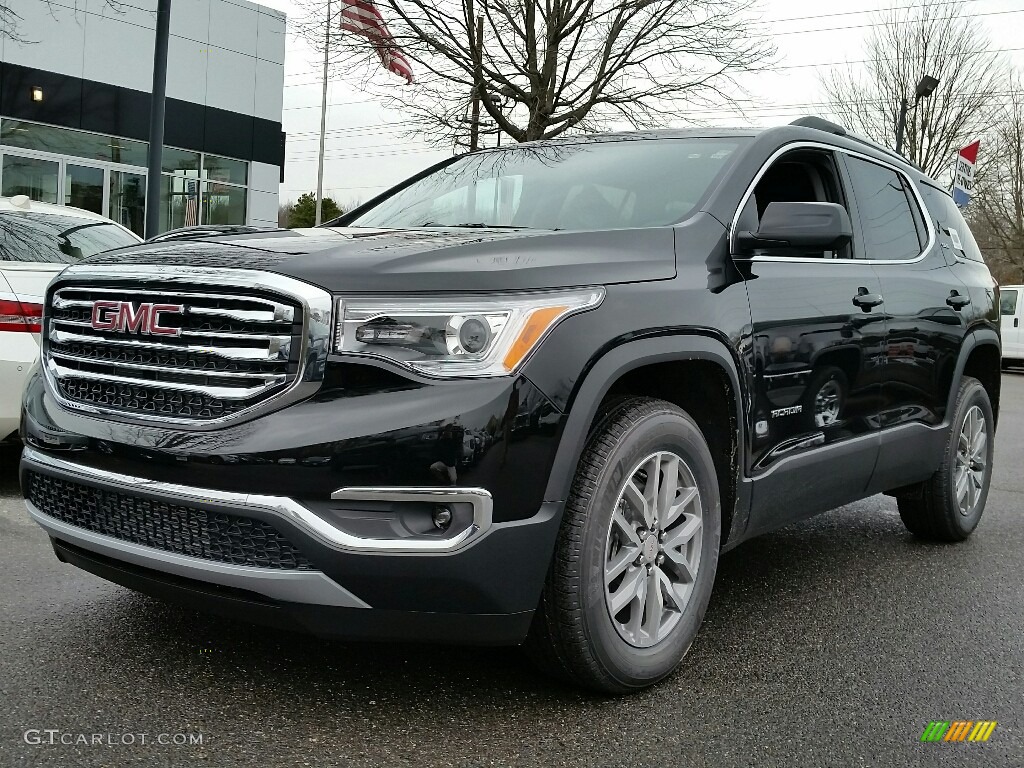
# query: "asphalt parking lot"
x,y
830,643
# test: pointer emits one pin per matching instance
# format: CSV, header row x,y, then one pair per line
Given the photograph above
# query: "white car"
x,y
37,241
1011,310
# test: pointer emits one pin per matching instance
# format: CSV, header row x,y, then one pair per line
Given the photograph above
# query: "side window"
x,y
887,220
1008,302
802,176
953,230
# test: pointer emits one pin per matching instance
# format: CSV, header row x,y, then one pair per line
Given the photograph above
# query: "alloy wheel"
x,y
653,548
971,457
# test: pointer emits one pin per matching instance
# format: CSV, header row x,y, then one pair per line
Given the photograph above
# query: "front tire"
x,y
948,506
637,552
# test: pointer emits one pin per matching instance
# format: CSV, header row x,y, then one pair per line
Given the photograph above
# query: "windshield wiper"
x,y
472,225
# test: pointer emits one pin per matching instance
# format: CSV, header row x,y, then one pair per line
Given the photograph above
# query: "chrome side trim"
x,y
293,511
310,587
317,308
832,148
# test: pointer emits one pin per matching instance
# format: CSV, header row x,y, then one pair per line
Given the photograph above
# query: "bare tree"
x,y
997,211
544,67
936,38
11,20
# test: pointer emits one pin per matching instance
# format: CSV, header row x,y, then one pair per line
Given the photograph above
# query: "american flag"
x,y
361,17
192,204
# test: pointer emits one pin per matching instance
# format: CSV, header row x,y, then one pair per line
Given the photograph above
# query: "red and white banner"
x,y
361,17
963,174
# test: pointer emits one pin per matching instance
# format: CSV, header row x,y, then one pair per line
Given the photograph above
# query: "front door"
x,y
817,335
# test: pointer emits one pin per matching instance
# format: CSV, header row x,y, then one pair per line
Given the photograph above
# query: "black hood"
x,y
400,261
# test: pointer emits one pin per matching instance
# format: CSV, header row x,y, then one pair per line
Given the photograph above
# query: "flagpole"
x,y
323,123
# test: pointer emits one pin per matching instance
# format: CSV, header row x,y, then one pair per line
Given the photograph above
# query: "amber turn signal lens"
x,y
539,321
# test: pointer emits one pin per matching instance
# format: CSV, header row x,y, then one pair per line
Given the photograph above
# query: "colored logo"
x,y
125,316
958,730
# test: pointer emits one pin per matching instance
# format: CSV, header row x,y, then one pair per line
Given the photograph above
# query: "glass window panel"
x,y
225,169
179,202
592,186
948,218
83,187
180,161
28,176
62,141
128,200
223,204
1007,302
46,237
889,229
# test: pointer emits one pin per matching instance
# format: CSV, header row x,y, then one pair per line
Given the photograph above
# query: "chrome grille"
x,y
228,351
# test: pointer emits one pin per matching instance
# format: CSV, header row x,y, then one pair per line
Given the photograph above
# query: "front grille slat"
x,y
178,371
221,392
200,303
228,351
274,340
234,353
178,528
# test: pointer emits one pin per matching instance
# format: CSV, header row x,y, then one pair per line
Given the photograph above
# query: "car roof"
x,y
49,208
804,129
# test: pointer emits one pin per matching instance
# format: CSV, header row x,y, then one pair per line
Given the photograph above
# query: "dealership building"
x,y
75,82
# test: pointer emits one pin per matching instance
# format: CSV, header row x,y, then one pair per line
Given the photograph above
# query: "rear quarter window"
x,y
952,228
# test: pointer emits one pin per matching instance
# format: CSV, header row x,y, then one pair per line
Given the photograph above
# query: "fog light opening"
x,y
442,517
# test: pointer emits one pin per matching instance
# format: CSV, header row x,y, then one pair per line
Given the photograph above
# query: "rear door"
x,y
927,310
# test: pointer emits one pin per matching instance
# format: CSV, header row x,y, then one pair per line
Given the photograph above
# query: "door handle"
x,y
1016,322
958,301
866,300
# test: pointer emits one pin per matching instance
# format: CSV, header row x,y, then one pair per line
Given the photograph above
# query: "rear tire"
x,y
642,520
949,505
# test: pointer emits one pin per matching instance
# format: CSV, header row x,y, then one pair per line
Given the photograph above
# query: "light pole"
x,y
156,118
323,124
925,88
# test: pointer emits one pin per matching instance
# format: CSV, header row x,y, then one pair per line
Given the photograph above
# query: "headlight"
x,y
487,336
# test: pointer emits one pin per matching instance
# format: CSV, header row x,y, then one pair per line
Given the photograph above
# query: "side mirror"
x,y
812,226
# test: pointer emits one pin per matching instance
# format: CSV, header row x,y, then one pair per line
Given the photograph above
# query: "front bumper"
x,y
478,588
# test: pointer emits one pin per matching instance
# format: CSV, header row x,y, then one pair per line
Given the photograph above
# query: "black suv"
x,y
527,396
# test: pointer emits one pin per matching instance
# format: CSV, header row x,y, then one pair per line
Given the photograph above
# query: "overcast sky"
x,y
366,155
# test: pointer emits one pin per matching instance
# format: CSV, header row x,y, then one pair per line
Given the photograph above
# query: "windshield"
x,y
580,186
53,238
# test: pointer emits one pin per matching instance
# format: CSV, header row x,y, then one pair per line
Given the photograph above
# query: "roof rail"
x,y
818,123
821,124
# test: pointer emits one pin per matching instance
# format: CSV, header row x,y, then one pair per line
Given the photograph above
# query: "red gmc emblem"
x,y
125,316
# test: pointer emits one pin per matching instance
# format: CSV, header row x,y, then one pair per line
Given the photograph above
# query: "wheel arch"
x,y
682,368
980,357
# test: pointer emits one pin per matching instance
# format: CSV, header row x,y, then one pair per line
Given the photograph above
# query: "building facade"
x,y
75,82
